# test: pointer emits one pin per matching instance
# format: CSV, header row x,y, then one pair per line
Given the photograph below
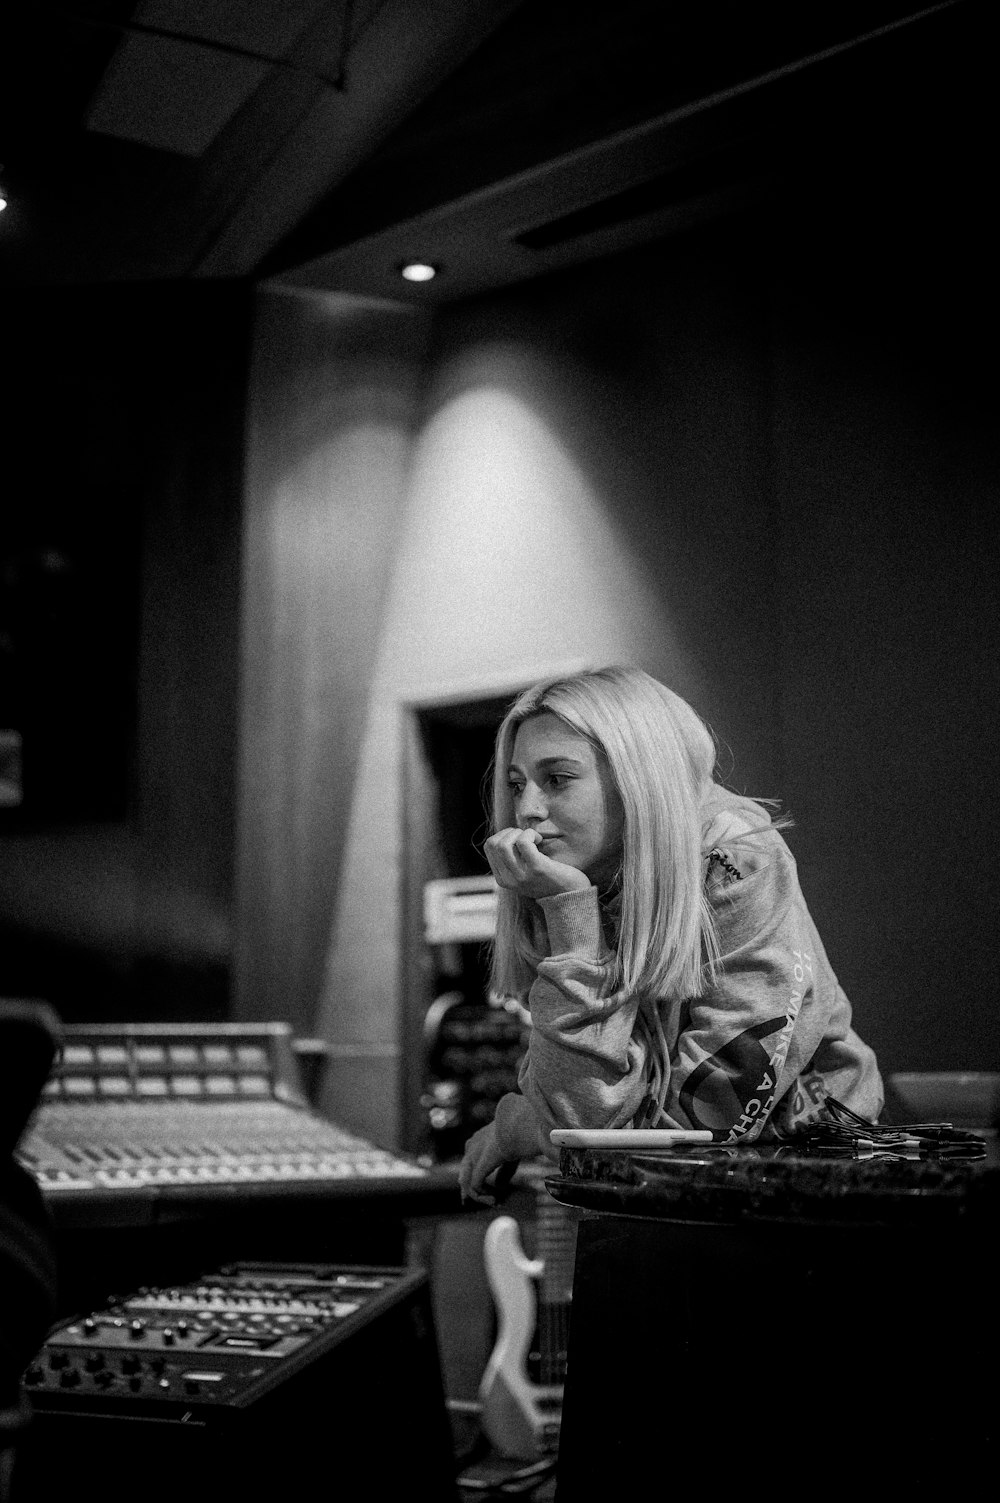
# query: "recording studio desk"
x,y
762,1320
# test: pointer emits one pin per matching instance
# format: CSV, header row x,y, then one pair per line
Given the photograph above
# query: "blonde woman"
x,y
654,925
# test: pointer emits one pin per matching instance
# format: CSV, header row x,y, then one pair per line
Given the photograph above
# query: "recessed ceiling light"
x,y
418,271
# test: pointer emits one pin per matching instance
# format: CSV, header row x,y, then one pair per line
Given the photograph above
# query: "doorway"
x,y
451,1036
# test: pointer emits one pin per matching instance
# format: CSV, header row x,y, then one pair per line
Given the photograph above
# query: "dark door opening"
x,y
461,1048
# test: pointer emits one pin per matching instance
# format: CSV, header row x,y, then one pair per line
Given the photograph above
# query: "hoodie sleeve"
x,y
775,1011
583,1067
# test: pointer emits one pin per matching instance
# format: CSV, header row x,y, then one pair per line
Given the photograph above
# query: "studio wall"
x,y
334,395
887,482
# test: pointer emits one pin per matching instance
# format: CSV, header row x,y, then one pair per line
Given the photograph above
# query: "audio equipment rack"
x,y
249,1378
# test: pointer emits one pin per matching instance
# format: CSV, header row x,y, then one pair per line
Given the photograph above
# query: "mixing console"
x,y
250,1381
192,1109
225,1339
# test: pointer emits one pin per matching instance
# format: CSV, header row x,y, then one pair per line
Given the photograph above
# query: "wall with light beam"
x,y
571,497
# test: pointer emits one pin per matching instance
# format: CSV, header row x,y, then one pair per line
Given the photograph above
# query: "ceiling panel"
x,y
163,139
831,125
170,93
262,28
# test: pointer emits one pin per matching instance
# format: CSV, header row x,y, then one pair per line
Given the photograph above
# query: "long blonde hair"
x,y
661,757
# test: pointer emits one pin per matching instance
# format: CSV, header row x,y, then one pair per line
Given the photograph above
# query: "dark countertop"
x,y
773,1182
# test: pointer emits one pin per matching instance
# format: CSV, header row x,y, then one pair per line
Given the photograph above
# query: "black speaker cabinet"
x,y
717,1360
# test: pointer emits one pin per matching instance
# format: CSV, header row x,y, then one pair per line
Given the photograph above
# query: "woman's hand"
x,y
518,864
482,1155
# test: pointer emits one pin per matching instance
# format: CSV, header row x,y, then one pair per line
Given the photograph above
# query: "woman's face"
x,y
562,787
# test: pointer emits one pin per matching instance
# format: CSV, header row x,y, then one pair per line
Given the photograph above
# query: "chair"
x,y
966,1098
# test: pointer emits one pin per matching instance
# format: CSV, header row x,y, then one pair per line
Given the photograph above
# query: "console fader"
x,y
249,1378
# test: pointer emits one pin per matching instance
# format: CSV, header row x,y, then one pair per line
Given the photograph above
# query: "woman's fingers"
x,y
518,863
514,844
481,1157
513,855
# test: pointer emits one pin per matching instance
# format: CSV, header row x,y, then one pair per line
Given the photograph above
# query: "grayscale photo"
x,y
498,717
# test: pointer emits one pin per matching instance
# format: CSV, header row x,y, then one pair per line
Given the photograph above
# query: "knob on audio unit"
x,y
251,1377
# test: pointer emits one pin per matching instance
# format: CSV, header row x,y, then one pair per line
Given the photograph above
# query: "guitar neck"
x,y
556,1243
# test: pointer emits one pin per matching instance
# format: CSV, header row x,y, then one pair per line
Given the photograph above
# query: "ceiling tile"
x,y
171,94
265,27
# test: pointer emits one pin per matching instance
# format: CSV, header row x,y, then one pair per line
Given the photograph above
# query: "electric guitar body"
x,y
522,1388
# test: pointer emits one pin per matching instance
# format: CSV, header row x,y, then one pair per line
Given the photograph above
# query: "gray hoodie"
x,y
756,1053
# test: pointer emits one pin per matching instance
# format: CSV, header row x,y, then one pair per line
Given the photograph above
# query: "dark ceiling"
x,y
318,143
